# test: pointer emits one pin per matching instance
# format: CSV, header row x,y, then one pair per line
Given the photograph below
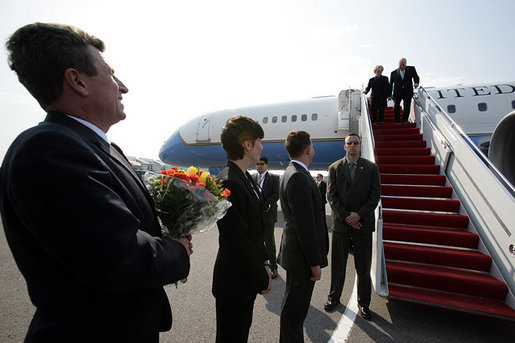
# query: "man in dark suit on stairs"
x,y
269,186
402,81
304,243
354,189
81,225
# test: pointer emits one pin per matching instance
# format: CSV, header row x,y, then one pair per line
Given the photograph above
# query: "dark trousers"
x,y
270,243
377,107
341,244
406,99
233,318
296,301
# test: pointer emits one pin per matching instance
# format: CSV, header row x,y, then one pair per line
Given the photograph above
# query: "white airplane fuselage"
x,y
476,109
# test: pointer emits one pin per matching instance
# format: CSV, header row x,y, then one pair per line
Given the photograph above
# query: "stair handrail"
x,y
422,91
379,277
486,199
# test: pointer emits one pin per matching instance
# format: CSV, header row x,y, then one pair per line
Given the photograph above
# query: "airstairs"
x,y
435,253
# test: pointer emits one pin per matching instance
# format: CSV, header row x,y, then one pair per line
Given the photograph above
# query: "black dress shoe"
x,y
330,305
364,312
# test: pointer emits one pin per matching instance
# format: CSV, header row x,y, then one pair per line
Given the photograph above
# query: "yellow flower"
x,y
203,177
191,170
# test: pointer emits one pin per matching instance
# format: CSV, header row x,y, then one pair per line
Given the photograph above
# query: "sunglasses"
x,y
353,142
260,164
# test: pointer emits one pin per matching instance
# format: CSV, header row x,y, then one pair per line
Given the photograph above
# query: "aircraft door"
x,y
203,129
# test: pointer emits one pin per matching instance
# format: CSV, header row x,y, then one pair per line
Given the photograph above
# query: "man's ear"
x,y
75,80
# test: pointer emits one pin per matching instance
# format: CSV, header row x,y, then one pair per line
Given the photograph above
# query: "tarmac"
x,y
193,309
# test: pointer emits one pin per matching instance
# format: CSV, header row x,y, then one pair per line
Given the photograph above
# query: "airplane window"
x,y
304,117
314,116
482,106
283,119
265,120
294,117
451,109
513,104
274,119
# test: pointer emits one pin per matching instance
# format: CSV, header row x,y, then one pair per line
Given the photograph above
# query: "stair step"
x,y
410,137
452,301
418,160
431,235
400,144
420,191
425,218
393,126
381,130
408,169
445,205
413,179
450,257
446,279
402,152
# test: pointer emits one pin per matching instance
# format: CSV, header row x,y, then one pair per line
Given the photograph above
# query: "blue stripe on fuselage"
x,y
176,152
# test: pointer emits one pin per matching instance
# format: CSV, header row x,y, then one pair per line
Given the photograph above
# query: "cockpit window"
x,y
482,106
451,109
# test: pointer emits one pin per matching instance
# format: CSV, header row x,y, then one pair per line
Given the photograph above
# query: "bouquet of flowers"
x,y
187,201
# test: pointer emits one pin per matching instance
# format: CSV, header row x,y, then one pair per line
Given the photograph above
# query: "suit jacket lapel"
x,y
91,137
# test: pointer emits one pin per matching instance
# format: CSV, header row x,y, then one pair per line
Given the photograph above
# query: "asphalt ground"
x,y
193,309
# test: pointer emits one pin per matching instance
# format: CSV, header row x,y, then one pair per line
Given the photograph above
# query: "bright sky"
x,y
181,59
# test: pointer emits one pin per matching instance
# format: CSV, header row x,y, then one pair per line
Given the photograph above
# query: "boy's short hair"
x,y
296,142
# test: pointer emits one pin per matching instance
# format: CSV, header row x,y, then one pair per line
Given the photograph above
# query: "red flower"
x,y
193,177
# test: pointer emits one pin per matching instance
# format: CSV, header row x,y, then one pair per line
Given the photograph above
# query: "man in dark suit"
x,y
353,192
322,187
269,185
305,242
402,81
380,91
81,225
242,266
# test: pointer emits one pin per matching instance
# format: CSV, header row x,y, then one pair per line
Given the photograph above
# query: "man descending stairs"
x,y
431,258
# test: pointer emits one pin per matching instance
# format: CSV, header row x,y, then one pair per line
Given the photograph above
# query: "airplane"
x,y
477,109
413,224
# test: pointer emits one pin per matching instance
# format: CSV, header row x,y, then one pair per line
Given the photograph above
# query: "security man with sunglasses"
x,y
354,189
269,186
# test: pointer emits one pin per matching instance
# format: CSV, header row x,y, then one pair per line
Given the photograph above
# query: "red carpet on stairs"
x,y
431,258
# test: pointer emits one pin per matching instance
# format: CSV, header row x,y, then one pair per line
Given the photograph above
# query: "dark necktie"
x,y
352,170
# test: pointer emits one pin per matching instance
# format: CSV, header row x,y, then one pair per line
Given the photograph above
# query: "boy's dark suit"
x,y
270,192
304,244
403,90
239,273
380,91
345,196
84,233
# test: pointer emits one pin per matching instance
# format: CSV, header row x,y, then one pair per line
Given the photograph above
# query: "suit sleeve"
x,y
333,198
416,79
300,199
374,195
245,255
274,196
72,206
391,88
369,86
